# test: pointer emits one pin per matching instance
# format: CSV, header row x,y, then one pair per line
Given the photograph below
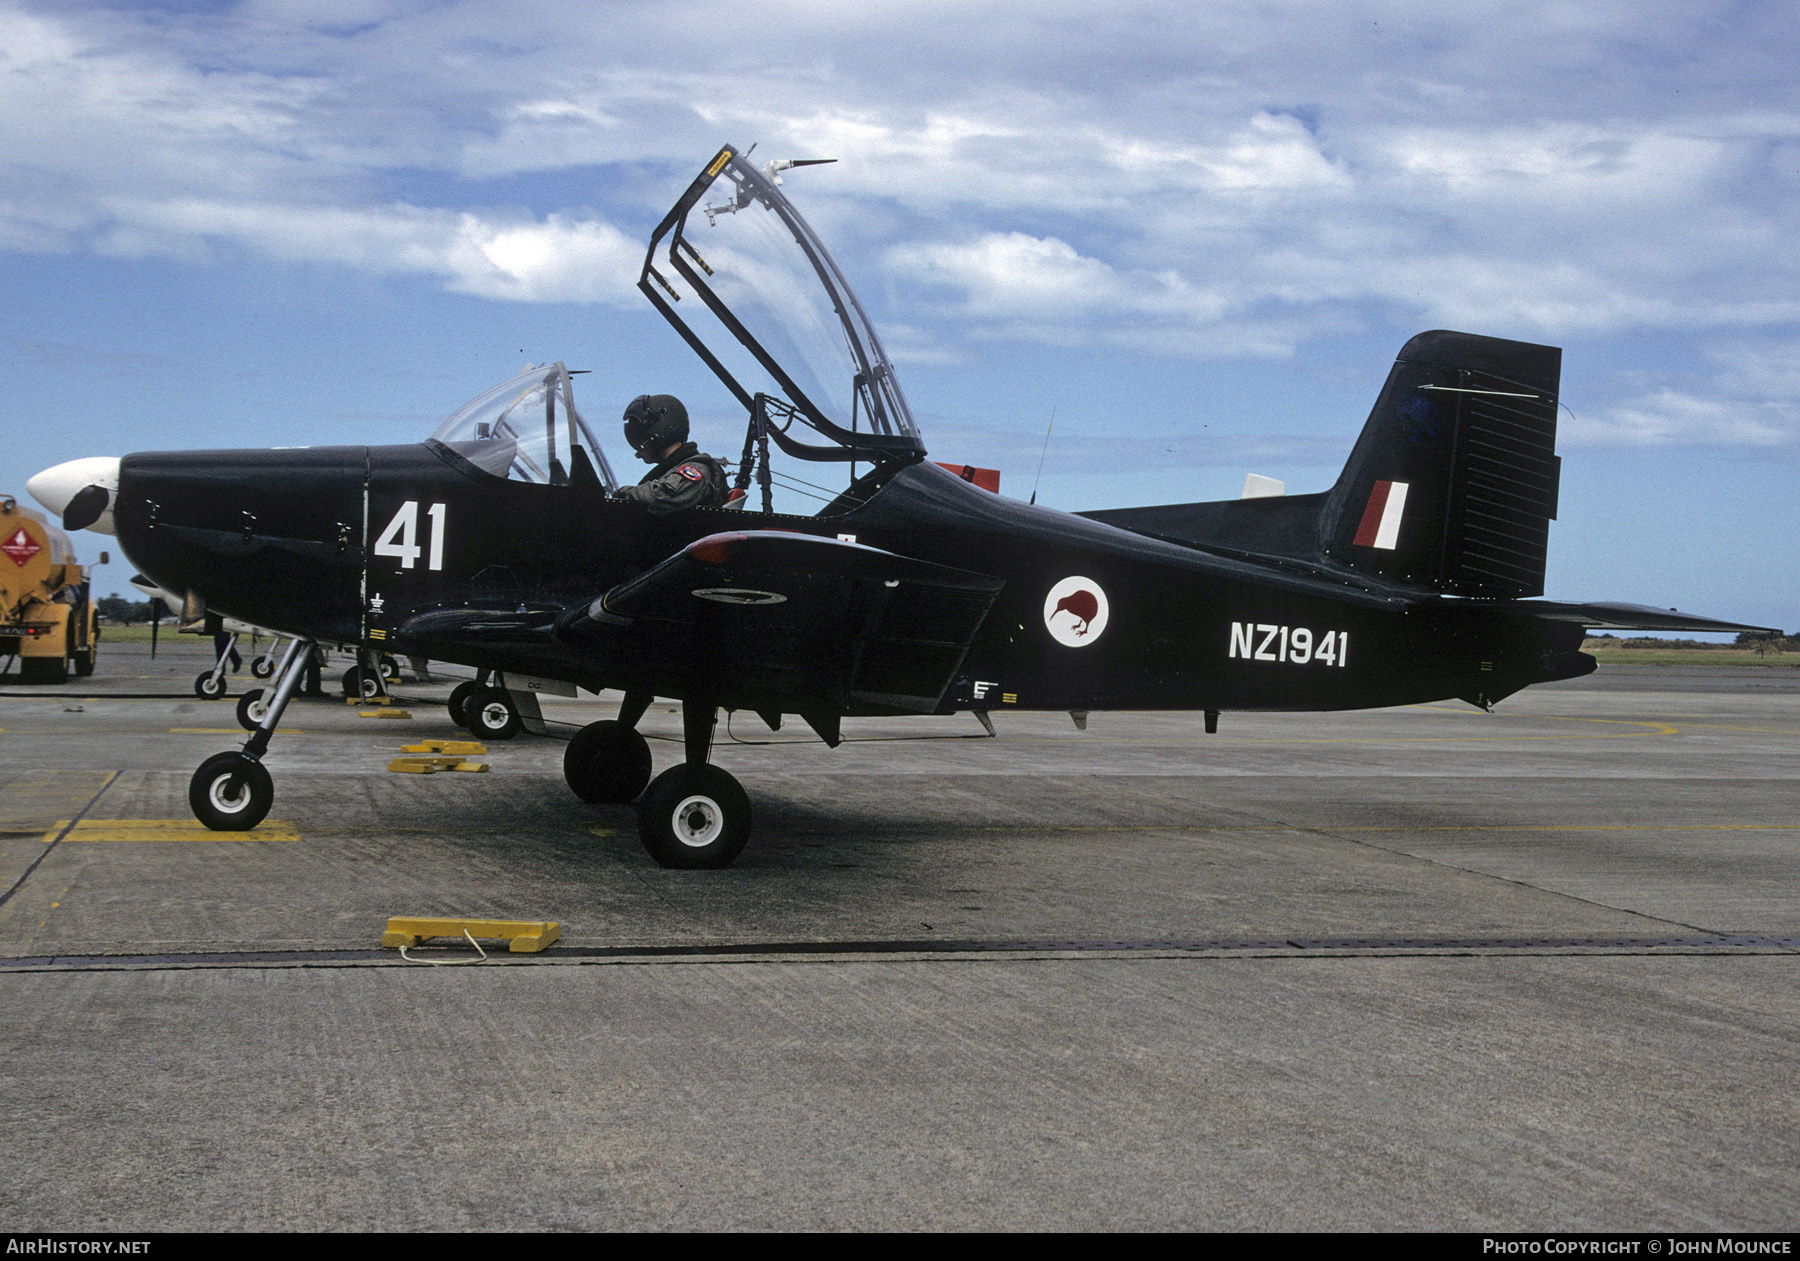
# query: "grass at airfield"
x,y
1613,653
140,634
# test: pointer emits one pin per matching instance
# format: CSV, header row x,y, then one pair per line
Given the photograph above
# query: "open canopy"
x,y
774,316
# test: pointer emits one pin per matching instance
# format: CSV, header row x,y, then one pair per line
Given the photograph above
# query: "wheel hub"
x,y
698,821
223,797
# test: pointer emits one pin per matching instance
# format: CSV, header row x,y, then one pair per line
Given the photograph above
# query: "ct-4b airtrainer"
x,y
498,543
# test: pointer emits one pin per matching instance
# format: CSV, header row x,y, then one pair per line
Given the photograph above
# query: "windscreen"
x,y
526,429
741,248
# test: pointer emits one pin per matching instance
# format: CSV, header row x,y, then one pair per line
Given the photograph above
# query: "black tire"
x,y
227,806
390,669
492,714
263,666
207,688
43,670
459,702
361,683
694,817
250,709
84,663
607,762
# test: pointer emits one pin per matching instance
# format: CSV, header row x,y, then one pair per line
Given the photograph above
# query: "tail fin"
x,y
1453,483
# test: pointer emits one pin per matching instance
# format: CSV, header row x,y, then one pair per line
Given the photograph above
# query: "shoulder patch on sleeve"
x,y
693,472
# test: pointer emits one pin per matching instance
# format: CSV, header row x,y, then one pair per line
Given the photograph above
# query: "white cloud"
x,y
1751,400
1230,181
519,260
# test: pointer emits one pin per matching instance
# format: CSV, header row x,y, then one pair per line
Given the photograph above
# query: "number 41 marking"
x,y
401,536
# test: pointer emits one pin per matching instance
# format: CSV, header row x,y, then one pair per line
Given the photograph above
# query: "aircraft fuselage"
x,y
408,550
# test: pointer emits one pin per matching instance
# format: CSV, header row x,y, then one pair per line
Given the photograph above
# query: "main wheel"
x,y
207,687
231,792
607,762
263,666
492,714
390,669
459,702
694,816
251,707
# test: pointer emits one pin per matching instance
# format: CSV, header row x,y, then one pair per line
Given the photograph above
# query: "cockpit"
x,y
751,288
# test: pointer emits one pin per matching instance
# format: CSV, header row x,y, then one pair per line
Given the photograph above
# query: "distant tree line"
x,y
1761,641
122,612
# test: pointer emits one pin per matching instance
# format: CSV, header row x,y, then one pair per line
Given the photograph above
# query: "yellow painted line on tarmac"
x,y
150,731
1720,726
166,830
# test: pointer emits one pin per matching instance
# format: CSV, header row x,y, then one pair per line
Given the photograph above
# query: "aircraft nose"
x,y
79,491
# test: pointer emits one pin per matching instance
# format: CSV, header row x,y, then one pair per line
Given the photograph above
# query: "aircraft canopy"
x,y
753,290
527,429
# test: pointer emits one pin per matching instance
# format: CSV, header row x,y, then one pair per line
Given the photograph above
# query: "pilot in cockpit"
x,y
681,476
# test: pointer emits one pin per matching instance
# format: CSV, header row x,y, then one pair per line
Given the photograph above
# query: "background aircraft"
x,y
496,544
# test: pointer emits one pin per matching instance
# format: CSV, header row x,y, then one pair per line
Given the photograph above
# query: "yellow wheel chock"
x,y
521,936
439,755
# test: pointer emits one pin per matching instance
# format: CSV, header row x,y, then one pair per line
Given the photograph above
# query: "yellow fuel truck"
x,y
46,616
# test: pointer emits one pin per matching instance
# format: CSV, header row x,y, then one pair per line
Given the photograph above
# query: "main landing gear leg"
x,y
609,762
232,792
694,814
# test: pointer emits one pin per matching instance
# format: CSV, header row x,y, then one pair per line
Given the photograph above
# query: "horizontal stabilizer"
x,y
1605,616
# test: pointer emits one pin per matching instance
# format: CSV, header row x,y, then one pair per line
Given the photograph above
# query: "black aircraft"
x,y
495,544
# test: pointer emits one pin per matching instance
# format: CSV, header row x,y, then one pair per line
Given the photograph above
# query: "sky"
x,y
1195,233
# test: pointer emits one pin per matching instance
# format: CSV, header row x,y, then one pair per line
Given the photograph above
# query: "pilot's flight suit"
x,y
686,479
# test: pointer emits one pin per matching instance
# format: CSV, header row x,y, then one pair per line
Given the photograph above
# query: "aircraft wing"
x,y
1605,616
793,623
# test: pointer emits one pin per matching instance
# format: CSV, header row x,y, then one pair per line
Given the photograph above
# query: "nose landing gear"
x,y
232,792
211,685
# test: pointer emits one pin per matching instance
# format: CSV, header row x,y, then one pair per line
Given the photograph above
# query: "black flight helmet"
x,y
653,422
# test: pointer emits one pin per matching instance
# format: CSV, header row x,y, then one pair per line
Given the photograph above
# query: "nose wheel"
x,y
492,715
251,708
231,792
